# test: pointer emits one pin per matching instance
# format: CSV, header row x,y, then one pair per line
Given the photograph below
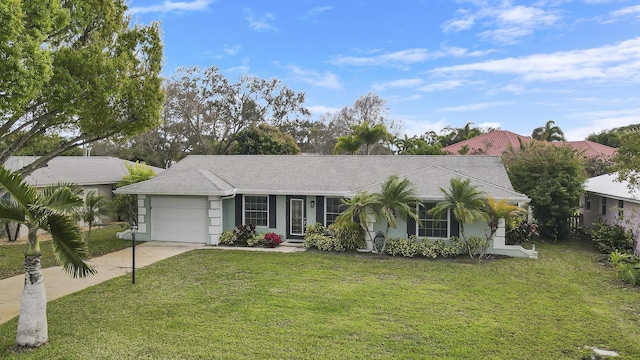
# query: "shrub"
x,y
272,239
227,238
349,234
402,246
256,240
627,267
328,243
520,231
607,237
316,228
445,250
243,233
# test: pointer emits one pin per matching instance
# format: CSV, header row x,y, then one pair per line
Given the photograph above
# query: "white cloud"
x,y
631,10
232,50
442,85
505,23
319,110
262,23
474,107
403,57
402,83
317,11
171,6
596,121
323,79
619,62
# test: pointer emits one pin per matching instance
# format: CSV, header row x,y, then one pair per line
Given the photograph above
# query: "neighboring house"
x,y
496,142
92,173
201,196
610,200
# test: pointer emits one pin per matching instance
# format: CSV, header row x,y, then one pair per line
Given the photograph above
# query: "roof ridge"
x,y
479,180
215,179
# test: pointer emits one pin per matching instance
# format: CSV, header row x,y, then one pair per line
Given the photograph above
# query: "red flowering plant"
x,y
272,239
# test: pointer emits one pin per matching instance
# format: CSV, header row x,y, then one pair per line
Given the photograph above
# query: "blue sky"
x,y
507,64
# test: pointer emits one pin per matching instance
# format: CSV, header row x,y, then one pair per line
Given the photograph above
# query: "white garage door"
x,y
179,218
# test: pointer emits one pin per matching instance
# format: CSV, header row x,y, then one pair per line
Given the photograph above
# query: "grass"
x,y
312,305
103,240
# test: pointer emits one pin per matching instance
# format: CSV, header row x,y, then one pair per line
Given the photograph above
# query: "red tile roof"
x,y
496,142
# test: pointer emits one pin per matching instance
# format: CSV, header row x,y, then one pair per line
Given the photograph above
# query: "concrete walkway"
x,y
58,283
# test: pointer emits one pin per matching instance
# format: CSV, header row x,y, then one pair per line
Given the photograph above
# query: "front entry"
x,y
296,220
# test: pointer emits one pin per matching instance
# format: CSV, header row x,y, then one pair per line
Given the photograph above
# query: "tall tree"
x,y
456,135
612,137
49,210
370,135
398,199
548,132
627,161
552,177
264,140
464,200
75,66
214,111
349,144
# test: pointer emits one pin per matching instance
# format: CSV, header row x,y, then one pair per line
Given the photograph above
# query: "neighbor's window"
x,y
620,208
429,226
256,210
603,211
333,209
587,203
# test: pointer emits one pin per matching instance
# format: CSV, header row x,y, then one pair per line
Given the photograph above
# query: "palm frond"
x,y
12,212
14,184
63,197
68,245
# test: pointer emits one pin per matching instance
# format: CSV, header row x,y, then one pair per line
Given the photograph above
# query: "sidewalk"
x,y
58,283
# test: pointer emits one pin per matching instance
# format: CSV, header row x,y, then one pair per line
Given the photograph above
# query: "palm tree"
x,y
92,209
548,132
497,210
398,198
370,135
361,209
350,144
49,210
465,200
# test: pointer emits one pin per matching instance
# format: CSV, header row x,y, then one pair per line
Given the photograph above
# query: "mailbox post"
x,y
134,230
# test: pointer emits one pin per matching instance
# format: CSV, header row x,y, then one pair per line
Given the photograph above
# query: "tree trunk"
x,y
32,322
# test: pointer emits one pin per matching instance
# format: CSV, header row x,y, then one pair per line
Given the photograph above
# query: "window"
x,y
620,208
603,210
333,209
587,202
430,226
256,210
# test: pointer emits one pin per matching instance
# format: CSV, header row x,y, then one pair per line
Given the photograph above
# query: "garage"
x,y
179,218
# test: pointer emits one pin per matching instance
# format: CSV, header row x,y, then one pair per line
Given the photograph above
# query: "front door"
x,y
296,217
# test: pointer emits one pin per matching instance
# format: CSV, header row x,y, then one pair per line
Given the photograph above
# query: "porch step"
x,y
292,244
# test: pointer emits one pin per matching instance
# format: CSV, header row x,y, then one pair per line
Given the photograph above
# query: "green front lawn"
x,y
249,305
103,240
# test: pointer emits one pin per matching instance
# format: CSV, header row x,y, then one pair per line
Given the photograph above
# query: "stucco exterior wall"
x,y
595,207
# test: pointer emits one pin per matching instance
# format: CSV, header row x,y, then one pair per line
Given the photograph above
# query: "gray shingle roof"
x,y
324,175
608,185
82,170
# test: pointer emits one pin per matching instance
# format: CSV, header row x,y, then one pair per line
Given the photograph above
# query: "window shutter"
x,y
411,226
454,226
320,210
238,210
272,211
